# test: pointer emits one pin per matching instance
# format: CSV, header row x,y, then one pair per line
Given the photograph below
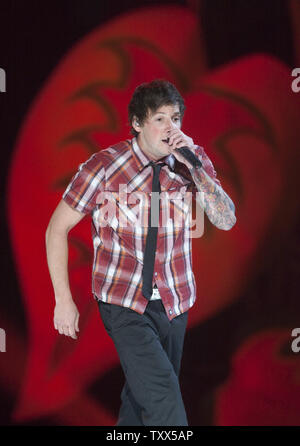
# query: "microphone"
x,y
190,157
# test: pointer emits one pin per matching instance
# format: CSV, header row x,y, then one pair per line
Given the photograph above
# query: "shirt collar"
x,y
143,160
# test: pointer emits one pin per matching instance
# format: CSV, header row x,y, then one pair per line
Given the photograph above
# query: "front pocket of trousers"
x,y
121,317
105,312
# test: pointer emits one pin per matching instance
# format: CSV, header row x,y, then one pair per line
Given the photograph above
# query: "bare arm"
x,y
63,219
217,204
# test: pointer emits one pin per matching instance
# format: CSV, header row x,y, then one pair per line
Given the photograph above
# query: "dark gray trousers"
x,y
150,350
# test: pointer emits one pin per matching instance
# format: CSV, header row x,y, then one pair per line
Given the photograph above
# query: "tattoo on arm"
x,y
217,205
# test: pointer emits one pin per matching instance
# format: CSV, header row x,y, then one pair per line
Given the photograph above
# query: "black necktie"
x,y
151,241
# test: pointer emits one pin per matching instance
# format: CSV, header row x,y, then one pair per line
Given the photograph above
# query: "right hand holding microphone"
x,y
183,148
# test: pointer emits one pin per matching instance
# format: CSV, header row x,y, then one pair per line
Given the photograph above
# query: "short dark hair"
x,y
149,97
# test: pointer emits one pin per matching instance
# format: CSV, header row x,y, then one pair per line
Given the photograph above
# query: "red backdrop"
x,y
246,115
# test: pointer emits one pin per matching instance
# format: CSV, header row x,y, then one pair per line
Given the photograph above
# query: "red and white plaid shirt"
x,y
114,186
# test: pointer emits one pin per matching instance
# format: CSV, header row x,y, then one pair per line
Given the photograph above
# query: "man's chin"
x,y
163,156
165,152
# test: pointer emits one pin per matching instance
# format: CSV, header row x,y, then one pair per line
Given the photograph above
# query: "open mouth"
x,y
166,140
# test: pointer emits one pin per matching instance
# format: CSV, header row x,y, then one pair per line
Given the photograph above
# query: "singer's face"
x,y
156,129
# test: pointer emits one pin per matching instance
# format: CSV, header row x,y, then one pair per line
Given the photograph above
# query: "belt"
x,y
155,293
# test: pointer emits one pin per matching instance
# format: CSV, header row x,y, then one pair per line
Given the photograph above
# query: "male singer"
x,y
142,281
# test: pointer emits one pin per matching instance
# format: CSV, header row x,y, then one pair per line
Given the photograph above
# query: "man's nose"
x,y
170,125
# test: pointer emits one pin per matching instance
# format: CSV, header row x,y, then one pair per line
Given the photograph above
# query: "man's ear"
x,y
136,124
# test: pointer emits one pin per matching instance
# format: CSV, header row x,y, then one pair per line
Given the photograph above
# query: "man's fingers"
x,y
174,138
72,333
66,330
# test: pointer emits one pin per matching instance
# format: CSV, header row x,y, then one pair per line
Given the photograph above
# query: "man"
x,y
142,276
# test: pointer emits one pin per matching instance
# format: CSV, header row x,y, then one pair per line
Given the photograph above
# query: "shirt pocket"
x,y
126,213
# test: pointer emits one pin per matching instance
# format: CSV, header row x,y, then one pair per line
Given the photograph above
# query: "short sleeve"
x,y
83,189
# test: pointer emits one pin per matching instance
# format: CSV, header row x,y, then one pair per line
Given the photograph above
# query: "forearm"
x,y
217,205
57,258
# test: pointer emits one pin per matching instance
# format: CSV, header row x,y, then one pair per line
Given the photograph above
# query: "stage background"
x,y
71,67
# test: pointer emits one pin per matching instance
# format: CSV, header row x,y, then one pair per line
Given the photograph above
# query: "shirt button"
x,y
155,274
170,311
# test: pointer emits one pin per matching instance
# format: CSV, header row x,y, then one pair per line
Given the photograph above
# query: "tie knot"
x,y
156,167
